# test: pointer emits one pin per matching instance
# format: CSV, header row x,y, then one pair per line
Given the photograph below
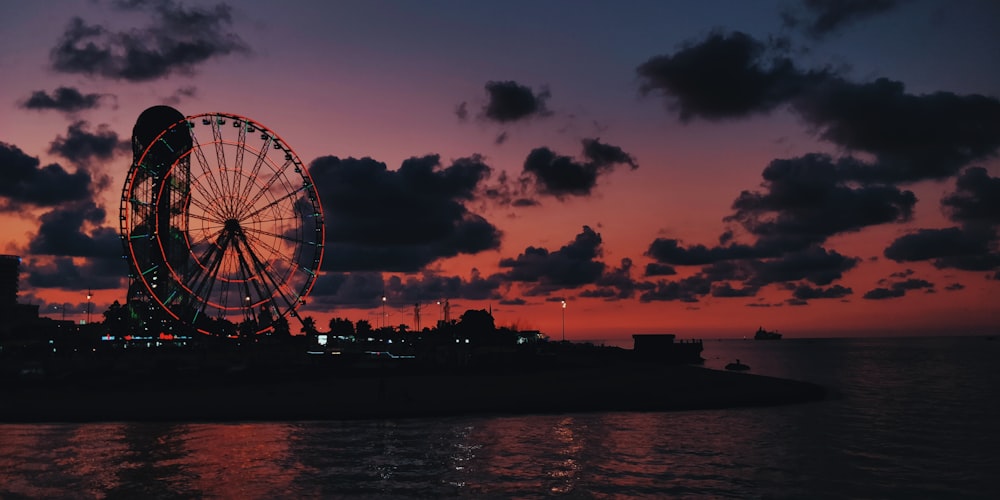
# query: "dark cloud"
x,y
814,264
81,147
510,101
971,246
954,286
806,292
883,293
462,111
925,244
684,290
726,290
976,198
64,99
348,290
898,289
365,289
911,137
818,18
383,220
670,251
561,176
180,94
431,288
617,283
724,76
658,269
572,266
24,182
805,203
65,273
178,40
64,232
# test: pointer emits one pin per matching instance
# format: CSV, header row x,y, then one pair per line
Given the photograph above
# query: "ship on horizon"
x,y
763,334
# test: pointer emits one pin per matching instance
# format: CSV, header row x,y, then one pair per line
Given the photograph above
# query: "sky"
x,y
814,167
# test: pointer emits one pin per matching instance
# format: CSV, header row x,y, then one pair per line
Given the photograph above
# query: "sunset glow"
x,y
578,168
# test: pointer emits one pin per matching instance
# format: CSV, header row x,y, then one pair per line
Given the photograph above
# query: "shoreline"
x,y
616,387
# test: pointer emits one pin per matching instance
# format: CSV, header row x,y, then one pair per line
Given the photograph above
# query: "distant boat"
x,y
737,366
763,334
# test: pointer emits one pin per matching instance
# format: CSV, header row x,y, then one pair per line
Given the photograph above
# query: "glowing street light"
x,y
90,295
383,310
564,321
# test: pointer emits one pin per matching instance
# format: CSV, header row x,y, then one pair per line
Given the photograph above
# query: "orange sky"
x,y
385,82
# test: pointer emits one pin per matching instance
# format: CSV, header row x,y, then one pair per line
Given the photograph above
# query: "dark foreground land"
x,y
386,394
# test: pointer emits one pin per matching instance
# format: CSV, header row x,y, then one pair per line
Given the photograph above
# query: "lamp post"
x,y
90,295
383,310
564,321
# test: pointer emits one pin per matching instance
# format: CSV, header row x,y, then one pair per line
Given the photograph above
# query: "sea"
x,y
906,418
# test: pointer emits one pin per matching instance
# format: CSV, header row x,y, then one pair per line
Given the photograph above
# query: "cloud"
x,y
814,264
617,283
670,251
383,220
818,18
177,40
658,269
66,274
976,198
24,182
561,176
684,290
81,147
727,290
911,137
510,101
63,233
725,76
971,246
804,202
63,99
572,266
898,289
431,288
806,292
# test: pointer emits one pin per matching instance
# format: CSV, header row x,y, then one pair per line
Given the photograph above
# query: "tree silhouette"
x,y
309,325
363,327
341,327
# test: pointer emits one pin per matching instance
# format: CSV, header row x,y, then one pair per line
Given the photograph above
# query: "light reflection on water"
x,y
911,419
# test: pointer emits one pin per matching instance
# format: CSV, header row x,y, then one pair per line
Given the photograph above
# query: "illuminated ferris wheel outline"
x,y
246,218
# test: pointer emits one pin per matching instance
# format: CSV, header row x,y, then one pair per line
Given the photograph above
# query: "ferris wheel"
x,y
220,221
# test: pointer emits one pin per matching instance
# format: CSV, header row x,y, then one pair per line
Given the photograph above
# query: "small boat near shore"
x,y
737,366
763,334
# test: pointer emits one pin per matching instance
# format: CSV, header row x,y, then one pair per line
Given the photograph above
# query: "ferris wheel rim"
x,y
310,197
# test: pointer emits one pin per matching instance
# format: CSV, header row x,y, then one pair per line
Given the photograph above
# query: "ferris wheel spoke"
x,y
209,220
278,174
208,210
255,170
211,274
273,235
213,191
249,281
241,145
276,201
220,152
262,269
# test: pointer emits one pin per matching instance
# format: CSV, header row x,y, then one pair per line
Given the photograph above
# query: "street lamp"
x,y
90,295
564,321
383,311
